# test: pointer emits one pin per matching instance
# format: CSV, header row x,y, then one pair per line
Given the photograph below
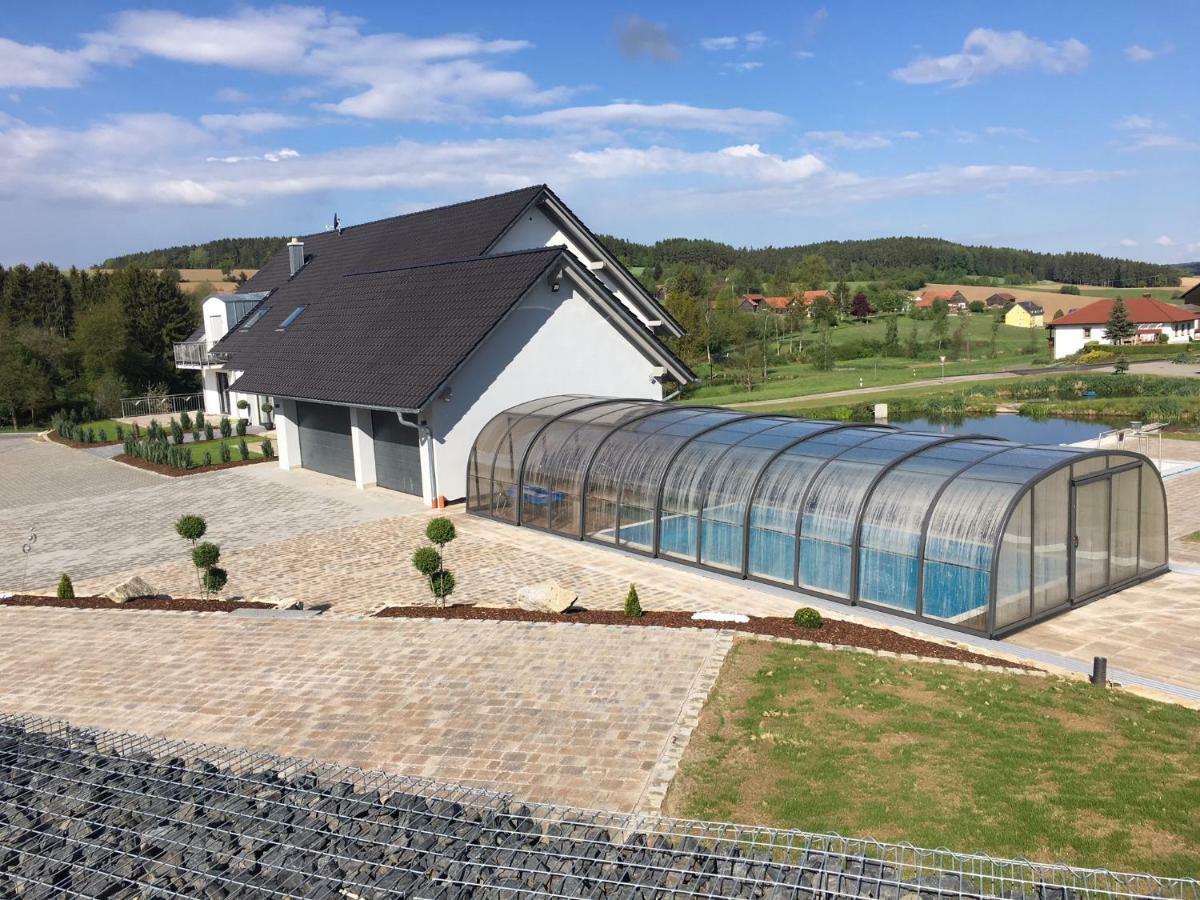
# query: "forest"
x,y
80,341
910,262
224,253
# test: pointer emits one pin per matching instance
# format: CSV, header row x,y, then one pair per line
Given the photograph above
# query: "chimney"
x,y
295,255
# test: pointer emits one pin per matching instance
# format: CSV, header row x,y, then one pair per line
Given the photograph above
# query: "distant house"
x,y
1191,297
1025,314
999,300
810,297
778,304
1070,333
751,302
954,299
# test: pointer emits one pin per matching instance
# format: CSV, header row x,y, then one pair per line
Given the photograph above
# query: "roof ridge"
x,y
445,206
556,248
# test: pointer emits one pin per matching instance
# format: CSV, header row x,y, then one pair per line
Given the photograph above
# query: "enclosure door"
x,y
1090,542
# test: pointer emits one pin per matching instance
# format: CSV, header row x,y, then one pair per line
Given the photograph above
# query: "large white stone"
x,y
546,596
131,589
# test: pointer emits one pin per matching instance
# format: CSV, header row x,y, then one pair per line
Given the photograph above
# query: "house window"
x,y
292,317
255,316
1087,332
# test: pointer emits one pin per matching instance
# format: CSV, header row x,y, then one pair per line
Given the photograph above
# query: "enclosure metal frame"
x,y
657,408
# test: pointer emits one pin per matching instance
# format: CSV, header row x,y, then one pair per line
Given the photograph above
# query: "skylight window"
x,y
254,317
292,317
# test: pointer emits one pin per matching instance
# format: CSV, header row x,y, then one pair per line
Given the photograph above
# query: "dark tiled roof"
x,y
1030,307
459,231
383,338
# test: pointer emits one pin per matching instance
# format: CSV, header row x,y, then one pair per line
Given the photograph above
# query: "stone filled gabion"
x,y
77,820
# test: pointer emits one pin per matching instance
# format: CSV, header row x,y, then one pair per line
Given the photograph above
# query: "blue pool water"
x,y
951,592
1015,428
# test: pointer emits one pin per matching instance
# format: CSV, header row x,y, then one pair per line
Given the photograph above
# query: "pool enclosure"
x,y
969,531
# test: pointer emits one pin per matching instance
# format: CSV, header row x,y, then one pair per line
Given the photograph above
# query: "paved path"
x,y
594,716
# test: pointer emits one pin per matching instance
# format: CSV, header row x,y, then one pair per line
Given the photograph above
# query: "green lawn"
x,y
214,447
800,379
804,406
1009,765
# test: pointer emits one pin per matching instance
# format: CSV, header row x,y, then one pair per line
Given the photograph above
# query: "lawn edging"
x,y
137,462
57,438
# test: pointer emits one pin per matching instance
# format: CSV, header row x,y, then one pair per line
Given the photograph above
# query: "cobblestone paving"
x,y
121,518
580,714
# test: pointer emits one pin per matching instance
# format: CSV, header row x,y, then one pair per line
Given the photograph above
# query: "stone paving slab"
x,y
578,714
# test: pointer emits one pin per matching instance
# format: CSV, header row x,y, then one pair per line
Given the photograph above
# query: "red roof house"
x,y
1142,311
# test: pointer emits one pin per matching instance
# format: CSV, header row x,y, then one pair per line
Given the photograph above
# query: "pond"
x,y
1016,428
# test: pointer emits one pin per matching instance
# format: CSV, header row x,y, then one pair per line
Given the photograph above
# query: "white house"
x,y
386,347
1080,327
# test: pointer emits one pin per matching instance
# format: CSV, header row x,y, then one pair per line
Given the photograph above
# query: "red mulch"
x,y
78,445
139,463
169,604
833,631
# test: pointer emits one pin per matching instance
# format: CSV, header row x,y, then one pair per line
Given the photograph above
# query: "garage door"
x,y
397,454
325,439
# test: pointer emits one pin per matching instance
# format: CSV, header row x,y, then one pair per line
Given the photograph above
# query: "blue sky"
x,y
1063,126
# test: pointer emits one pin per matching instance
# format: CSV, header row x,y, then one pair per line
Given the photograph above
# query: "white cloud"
x,y
862,140
232,95
804,54
638,37
749,42
379,76
748,65
986,52
35,66
1136,122
1164,241
1139,54
274,157
814,22
250,122
656,116
1128,242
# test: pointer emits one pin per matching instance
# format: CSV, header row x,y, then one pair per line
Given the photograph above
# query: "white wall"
x,y
288,437
1070,339
552,343
535,229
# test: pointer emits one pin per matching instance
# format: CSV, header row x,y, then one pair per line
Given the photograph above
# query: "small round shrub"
x,y
214,579
205,555
807,617
191,528
66,590
633,606
243,404
442,584
427,561
440,530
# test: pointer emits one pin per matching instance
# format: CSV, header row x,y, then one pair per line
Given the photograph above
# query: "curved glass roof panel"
x,y
972,532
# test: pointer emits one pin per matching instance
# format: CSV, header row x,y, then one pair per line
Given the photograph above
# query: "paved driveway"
x,y
587,715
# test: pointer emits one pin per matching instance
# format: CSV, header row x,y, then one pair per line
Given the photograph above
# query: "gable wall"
x,y
552,343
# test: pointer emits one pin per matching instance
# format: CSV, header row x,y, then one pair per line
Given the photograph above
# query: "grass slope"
x,y
1010,765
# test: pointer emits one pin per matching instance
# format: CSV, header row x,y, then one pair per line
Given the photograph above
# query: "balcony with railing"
x,y
191,354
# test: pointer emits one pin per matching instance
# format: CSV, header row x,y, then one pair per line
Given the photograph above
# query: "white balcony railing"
x,y
191,354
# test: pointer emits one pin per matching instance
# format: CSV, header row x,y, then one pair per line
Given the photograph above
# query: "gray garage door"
x,y
325,439
397,455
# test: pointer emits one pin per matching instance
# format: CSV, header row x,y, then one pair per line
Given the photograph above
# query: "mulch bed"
x,y
78,445
166,604
833,631
139,463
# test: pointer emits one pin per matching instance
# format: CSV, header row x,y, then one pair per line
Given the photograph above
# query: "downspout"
x,y
425,433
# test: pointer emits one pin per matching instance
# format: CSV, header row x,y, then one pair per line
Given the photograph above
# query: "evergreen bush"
x,y
633,606
120,432
66,590
240,428
206,555
207,457
243,448
191,528
426,561
267,448
176,431
226,427
185,421
226,453
807,617
103,435
208,432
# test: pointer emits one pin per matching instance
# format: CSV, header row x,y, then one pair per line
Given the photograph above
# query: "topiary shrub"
x,y
66,590
426,561
268,410
633,606
441,531
267,448
243,404
191,528
214,580
441,583
185,421
226,427
807,617
206,555
208,432
243,448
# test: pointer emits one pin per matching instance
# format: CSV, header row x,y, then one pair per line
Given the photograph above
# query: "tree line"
x,y
910,261
81,341
223,253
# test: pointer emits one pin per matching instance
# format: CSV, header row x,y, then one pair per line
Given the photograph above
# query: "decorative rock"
x,y
131,589
6,595
546,596
719,617
279,602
